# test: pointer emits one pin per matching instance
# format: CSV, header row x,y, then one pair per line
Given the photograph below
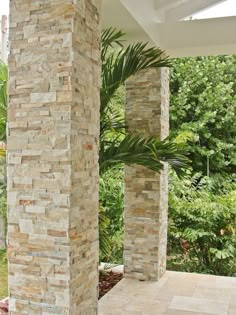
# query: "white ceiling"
x,y
158,21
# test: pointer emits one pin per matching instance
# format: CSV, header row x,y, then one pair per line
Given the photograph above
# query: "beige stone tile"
x,y
111,304
226,282
232,309
232,305
178,312
109,310
130,284
177,293
233,299
147,306
199,305
115,300
222,295
132,313
168,291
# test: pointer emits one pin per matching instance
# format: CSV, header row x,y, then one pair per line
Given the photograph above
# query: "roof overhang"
x,y
160,23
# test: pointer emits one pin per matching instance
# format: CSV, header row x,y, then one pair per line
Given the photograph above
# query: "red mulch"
x,y
4,307
107,280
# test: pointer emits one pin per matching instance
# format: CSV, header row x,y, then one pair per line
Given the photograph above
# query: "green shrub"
x,y
202,225
203,103
111,198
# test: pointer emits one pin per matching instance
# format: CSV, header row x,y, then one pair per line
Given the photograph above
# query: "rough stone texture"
x,y
53,135
146,192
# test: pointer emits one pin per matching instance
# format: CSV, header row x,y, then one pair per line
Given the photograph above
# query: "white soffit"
x,y
198,37
114,14
158,21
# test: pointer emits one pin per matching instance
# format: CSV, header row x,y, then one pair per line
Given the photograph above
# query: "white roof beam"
x,y
145,14
165,5
188,8
197,37
141,20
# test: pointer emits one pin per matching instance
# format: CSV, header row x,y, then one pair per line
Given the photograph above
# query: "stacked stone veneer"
x,y
146,192
53,130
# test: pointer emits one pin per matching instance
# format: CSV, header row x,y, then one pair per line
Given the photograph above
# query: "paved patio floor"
x,y
177,293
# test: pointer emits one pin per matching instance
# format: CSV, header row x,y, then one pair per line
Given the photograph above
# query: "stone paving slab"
x,y
176,293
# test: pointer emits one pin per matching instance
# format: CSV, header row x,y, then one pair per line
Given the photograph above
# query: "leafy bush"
x,y
202,225
111,197
203,103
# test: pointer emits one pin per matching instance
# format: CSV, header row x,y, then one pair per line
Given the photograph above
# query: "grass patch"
x,y
3,274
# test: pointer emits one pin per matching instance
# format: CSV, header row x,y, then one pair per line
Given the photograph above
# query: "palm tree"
x,y
116,146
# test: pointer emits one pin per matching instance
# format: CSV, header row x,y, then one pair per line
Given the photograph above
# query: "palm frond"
x,y
112,123
142,150
110,37
118,66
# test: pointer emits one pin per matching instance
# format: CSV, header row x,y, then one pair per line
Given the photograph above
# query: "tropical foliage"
x,y
202,207
203,108
202,224
111,215
116,146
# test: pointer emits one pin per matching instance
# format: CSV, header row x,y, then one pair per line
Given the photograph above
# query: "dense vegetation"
x,y
202,224
203,109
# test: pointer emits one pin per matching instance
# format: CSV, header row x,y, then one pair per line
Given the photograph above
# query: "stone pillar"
x,y
146,192
53,135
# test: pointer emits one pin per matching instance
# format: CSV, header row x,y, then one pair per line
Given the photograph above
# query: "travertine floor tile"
x,y
222,295
178,312
199,305
232,306
175,294
147,306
